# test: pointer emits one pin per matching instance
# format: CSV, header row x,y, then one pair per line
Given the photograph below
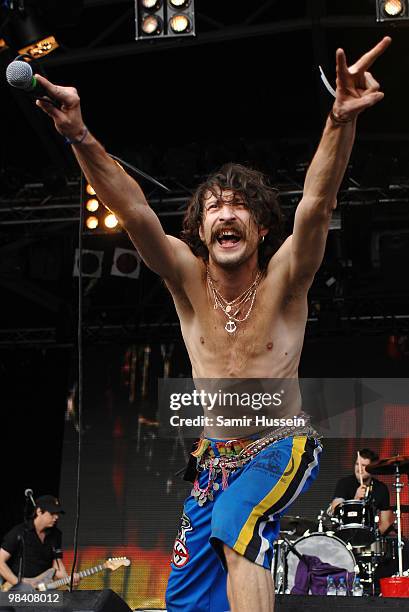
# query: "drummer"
x,y
350,487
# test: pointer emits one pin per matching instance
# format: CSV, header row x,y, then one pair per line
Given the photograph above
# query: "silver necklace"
x,y
232,308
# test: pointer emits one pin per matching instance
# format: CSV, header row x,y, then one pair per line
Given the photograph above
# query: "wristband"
x,y
338,121
79,141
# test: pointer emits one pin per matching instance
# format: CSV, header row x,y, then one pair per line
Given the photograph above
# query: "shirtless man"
x,y
261,338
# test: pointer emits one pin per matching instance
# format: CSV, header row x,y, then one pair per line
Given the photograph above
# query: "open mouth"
x,y
228,238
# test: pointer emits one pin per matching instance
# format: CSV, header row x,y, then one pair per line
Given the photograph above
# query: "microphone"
x,y
28,493
19,74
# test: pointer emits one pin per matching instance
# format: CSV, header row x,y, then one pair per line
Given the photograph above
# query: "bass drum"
x,y
328,548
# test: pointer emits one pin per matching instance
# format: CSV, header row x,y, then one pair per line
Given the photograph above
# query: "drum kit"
x,y
349,539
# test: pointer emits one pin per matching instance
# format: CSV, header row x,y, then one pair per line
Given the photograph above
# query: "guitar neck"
x,y
88,572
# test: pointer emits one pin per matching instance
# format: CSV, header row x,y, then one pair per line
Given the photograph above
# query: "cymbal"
x,y
388,465
299,524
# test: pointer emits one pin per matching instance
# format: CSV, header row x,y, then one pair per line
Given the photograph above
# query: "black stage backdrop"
x,y
33,383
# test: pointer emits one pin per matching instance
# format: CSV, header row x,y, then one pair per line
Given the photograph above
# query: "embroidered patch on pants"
x,y
180,551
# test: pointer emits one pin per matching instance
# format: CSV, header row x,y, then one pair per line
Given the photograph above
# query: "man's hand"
x,y
75,580
360,492
68,119
356,87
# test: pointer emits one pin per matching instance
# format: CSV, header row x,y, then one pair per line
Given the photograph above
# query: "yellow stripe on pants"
x,y
272,497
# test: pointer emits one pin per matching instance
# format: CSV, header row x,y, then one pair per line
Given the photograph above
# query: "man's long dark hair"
x,y
259,197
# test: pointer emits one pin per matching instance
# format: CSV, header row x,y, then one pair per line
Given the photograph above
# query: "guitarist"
x,y
32,547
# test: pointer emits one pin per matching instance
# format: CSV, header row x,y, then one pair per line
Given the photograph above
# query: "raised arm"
x,y
356,90
163,254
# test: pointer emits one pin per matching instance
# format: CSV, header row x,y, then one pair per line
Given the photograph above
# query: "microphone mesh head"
x,y
19,74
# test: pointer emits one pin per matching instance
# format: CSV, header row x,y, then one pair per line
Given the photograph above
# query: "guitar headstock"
x,y
113,563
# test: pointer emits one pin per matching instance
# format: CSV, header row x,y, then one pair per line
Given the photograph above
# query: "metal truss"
x,y
93,334
342,326
34,205
219,32
365,325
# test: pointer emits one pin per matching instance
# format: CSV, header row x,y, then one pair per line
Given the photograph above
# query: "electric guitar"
x,y
44,581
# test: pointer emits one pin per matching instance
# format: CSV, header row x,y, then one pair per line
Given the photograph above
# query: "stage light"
x,y
92,205
164,18
393,7
3,45
40,48
151,5
91,263
388,10
179,4
126,262
110,221
149,18
152,25
91,223
26,32
98,218
181,16
179,24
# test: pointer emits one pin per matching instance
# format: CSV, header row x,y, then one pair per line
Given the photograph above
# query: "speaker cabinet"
x,y
81,601
94,601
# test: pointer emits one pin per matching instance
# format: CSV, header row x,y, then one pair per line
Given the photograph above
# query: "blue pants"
x,y
245,517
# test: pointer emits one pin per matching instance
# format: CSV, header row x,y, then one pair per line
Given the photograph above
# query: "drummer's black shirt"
x,y
346,488
38,556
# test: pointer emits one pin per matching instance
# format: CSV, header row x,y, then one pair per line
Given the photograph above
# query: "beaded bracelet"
x,y
79,141
338,121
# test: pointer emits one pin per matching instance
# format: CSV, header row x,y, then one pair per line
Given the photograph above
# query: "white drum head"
x,y
329,549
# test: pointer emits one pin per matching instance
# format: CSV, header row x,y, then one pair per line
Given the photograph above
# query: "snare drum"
x,y
380,551
356,522
329,549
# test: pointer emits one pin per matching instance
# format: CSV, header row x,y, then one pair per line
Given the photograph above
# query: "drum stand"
x,y
399,486
372,563
369,568
320,519
280,568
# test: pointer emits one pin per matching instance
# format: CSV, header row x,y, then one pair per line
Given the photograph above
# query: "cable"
x,y
79,351
140,172
326,82
79,347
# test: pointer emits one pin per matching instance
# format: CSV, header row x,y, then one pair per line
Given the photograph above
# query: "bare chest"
x,y
265,344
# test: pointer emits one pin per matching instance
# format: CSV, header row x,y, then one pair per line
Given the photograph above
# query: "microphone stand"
x,y
293,549
398,486
21,556
22,544
297,554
